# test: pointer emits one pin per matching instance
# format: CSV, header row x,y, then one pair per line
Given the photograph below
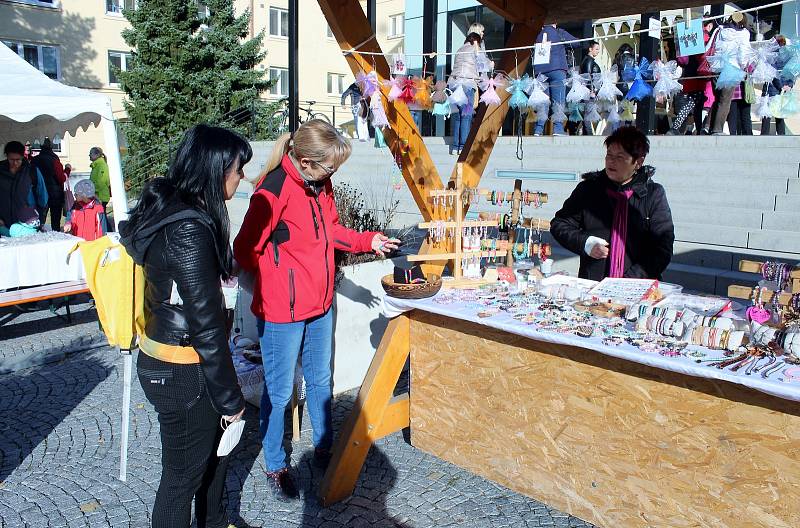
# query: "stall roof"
x,y
34,106
565,11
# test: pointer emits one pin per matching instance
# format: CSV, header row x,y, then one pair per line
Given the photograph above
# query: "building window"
x,y
203,12
335,83
329,32
278,22
281,78
396,26
43,58
118,60
115,7
41,3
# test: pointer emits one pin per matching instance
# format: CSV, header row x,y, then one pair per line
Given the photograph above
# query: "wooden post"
x,y
489,120
459,217
353,32
516,205
366,421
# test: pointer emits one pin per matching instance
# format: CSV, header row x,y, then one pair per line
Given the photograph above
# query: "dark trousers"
x,y
780,126
740,122
55,205
190,433
109,223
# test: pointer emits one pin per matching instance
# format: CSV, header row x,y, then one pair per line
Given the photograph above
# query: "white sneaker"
x,y
537,134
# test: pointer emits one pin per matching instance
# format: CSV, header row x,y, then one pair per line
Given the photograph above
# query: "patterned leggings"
x,y
692,103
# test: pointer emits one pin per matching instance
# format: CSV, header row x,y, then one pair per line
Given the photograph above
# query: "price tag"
x,y
399,66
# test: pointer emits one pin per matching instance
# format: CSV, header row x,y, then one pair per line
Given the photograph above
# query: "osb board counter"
x,y
611,441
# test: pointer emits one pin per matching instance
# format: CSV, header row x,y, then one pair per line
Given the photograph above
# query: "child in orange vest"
x,y
87,218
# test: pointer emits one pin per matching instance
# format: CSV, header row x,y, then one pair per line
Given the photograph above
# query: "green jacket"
x,y
101,180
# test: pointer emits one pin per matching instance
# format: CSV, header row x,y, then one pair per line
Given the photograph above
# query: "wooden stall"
x,y
610,441
614,443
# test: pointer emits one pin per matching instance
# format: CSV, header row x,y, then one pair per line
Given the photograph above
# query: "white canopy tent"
x,y
34,106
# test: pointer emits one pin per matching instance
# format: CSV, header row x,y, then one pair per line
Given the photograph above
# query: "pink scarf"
x,y
619,231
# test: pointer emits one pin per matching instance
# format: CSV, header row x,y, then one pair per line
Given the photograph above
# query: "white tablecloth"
x,y
39,259
789,390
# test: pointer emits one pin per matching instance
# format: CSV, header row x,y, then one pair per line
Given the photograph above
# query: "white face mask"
x,y
231,436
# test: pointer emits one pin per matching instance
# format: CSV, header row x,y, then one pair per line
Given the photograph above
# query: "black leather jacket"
x,y
181,250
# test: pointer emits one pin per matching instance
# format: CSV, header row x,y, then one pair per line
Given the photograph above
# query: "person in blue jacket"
x,y
556,72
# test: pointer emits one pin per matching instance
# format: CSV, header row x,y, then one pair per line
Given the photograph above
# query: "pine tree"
x,y
190,65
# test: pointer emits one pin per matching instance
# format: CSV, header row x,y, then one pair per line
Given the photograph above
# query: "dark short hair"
x,y
593,43
631,140
14,147
472,38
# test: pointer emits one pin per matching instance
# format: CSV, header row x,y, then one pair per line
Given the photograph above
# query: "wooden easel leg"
x,y
295,403
375,414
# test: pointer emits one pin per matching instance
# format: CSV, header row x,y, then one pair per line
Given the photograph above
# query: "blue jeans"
x,y
280,346
462,122
557,93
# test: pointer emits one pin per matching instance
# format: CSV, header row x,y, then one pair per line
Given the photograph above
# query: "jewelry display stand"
x,y
539,224
746,292
457,224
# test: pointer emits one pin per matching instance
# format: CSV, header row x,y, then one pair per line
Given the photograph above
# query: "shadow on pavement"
x,y
366,507
35,401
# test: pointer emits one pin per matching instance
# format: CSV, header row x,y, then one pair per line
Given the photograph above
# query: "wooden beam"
x,y
396,417
746,293
366,420
516,11
752,266
489,120
351,28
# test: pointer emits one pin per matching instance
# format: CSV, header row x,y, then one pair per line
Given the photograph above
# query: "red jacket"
x,y
287,241
87,221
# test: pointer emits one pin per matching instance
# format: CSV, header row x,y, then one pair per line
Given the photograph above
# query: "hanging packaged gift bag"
x,y
442,109
380,141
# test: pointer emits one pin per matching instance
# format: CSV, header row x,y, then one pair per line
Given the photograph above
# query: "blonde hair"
x,y
476,27
316,140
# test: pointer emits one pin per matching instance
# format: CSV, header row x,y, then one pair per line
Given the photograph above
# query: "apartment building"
x,y
77,42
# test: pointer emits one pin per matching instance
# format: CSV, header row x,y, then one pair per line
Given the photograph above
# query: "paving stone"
x,y
59,465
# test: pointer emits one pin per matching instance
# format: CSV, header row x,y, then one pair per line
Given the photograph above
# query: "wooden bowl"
x,y
411,291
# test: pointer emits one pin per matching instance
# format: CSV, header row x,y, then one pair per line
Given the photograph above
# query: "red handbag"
x,y
704,69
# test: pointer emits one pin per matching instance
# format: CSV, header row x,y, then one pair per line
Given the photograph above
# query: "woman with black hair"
x,y
618,219
179,233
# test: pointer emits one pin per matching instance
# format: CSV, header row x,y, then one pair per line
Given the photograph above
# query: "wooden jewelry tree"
x,y
457,224
539,224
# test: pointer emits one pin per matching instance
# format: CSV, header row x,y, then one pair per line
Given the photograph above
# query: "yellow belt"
x,y
170,353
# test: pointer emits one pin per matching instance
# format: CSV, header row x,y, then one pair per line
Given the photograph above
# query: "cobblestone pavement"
x,y
59,455
33,334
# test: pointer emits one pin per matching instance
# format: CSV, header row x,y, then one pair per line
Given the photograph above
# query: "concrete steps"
x,y
732,197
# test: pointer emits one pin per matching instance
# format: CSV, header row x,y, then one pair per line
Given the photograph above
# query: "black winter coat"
x,y
589,211
179,250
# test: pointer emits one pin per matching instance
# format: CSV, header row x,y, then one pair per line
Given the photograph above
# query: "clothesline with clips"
x,y
433,54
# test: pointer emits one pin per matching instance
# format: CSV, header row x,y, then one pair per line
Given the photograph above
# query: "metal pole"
x,y
293,66
429,63
127,362
371,14
648,47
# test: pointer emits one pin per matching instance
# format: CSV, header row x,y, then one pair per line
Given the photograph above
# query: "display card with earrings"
x,y
463,242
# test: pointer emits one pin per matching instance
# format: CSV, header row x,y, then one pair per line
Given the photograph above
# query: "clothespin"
x,y
687,17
